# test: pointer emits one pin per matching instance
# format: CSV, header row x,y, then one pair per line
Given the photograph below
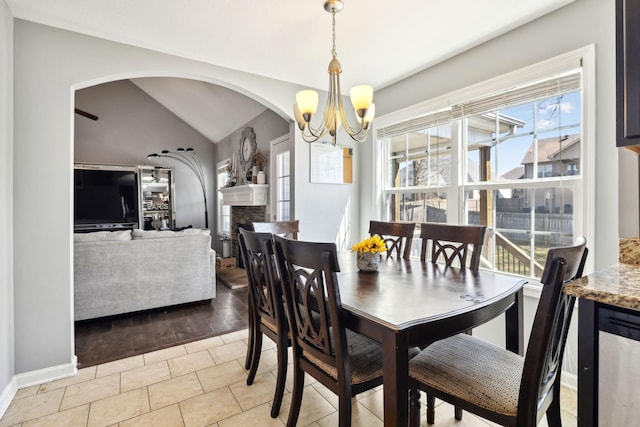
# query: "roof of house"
x,y
549,148
515,173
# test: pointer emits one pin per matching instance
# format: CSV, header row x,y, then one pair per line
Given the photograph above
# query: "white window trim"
x,y
521,76
219,166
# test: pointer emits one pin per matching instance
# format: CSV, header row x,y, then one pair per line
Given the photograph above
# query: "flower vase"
x,y
367,261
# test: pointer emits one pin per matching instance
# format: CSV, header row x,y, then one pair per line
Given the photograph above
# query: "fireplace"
x,y
248,204
242,217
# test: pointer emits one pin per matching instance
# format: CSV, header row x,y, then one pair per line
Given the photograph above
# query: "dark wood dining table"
x,y
413,303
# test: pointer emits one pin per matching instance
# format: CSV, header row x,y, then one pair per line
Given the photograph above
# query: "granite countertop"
x,y
617,285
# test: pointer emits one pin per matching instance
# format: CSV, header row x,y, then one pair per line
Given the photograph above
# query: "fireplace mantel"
x,y
245,195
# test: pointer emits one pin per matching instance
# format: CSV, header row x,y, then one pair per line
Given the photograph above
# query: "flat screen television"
x,y
105,198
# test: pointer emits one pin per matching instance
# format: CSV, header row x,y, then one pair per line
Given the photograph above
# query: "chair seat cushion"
x,y
472,370
272,326
365,359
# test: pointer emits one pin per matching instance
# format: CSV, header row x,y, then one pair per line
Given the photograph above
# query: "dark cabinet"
x,y
628,74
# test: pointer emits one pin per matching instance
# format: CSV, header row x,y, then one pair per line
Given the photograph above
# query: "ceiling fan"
x,y
85,114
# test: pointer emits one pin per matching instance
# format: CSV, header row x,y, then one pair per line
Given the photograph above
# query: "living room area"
x,y
135,292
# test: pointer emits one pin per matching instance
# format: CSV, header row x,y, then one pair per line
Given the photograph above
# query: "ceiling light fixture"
x,y
334,114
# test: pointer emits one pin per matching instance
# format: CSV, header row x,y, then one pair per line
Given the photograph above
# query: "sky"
x,y
551,114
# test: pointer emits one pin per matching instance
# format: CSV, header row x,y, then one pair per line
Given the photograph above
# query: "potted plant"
x,y
369,253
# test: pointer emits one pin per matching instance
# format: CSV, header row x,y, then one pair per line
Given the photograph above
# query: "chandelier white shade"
x,y
334,115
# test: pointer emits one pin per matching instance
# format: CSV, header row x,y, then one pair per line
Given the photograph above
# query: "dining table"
x,y
409,303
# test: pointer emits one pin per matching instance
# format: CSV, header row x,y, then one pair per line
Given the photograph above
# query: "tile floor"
x,y
200,383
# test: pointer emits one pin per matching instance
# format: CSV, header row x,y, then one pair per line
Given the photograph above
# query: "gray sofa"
x,y
123,271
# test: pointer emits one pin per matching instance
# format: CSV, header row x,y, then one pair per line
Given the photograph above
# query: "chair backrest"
x,y
281,228
265,290
543,360
397,235
312,301
452,242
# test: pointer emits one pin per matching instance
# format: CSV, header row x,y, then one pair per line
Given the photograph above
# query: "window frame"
x,y
221,168
584,224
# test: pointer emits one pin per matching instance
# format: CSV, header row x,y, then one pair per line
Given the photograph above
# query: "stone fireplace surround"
x,y
242,217
248,204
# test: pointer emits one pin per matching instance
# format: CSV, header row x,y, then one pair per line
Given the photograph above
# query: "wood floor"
x,y
108,339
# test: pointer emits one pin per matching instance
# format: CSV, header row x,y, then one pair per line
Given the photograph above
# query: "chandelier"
x,y
334,114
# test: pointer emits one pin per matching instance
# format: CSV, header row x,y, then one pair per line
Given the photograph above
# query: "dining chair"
x,y
282,228
397,235
266,308
345,362
452,243
497,384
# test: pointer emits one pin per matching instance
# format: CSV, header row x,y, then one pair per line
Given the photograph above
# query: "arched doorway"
x,y
132,122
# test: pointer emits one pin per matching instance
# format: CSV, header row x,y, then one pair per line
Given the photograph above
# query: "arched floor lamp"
x,y
188,157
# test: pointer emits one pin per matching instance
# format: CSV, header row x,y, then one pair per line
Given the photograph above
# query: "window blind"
x,y
554,86
415,124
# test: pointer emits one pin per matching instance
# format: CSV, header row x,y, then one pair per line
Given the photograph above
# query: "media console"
x,y
112,197
82,228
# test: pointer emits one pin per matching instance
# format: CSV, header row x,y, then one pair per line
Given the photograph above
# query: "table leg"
x,y
395,369
515,325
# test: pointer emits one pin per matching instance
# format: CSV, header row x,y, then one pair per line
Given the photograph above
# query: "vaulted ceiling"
x,y
378,42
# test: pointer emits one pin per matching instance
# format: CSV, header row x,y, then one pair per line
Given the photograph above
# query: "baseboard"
x,y
569,380
52,373
31,378
7,396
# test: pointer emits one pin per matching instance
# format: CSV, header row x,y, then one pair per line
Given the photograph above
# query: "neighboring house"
x,y
557,156
515,173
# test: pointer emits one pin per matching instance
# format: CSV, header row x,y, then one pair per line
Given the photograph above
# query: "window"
x,y
224,212
508,154
283,183
418,174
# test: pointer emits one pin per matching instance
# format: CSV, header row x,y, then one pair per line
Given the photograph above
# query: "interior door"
x,y
280,179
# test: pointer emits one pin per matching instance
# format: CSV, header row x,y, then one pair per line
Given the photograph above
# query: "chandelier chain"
x,y
333,28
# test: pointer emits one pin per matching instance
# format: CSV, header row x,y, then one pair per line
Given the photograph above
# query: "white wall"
x,y
43,144
6,205
328,212
628,194
132,125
